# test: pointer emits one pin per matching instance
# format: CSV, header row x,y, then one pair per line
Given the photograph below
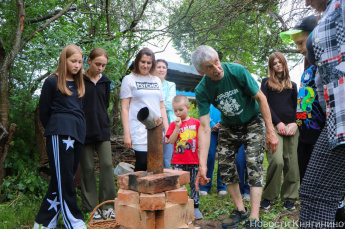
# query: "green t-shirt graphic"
x,y
232,95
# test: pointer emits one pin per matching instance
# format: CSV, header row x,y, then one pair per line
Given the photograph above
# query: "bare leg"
x,y
255,197
234,190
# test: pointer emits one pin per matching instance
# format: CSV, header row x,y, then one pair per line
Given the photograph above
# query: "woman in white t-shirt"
x,y
140,89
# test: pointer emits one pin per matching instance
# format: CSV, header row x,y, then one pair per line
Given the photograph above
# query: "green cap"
x,y
286,36
307,24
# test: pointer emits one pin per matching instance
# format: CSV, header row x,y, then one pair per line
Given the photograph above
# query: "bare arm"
x,y
204,136
173,137
164,116
271,138
125,122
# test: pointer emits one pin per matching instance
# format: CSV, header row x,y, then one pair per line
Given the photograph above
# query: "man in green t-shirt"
x,y
244,113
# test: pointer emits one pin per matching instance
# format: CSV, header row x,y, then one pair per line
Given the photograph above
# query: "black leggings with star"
x,y
64,155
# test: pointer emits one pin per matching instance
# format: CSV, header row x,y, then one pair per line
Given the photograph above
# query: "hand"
x,y
166,142
215,127
272,142
178,122
201,178
281,128
292,129
127,141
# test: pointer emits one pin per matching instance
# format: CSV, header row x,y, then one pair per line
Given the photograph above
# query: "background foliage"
x,y
32,35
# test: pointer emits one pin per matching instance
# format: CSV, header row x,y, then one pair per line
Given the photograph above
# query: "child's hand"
x,y
178,122
292,128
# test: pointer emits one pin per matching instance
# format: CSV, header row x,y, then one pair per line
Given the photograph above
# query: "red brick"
x,y
126,197
152,202
177,196
122,181
133,179
175,215
130,216
184,175
150,220
158,183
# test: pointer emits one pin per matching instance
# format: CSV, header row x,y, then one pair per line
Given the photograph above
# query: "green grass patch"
x,y
21,210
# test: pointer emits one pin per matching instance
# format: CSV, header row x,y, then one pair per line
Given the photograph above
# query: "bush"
x,y
27,183
193,112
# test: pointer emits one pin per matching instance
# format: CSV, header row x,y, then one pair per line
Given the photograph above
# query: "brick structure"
x,y
156,198
158,201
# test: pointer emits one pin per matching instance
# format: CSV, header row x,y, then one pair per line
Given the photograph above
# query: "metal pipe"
x,y
154,140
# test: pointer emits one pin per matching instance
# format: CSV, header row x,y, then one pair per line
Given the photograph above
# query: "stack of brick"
x,y
158,201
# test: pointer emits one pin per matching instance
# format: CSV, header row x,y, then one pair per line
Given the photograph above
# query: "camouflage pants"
x,y
252,134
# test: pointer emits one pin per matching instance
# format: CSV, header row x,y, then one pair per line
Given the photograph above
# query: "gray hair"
x,y
201,54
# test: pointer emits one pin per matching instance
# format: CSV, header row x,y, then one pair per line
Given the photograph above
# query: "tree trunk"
x,y
6,144
115,113
40,140
4,119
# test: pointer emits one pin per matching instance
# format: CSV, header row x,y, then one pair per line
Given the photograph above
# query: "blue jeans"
x,y
167,154
210,165
242,170
168,150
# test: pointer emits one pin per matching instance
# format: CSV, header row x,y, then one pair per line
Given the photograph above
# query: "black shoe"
x,y
265,204
288,205
235,218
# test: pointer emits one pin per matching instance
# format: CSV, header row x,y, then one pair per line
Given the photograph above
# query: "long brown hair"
x,y
275,83
147,52
61,71
96,52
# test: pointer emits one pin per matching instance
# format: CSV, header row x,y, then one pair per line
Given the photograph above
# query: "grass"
x,y
216,208
21,212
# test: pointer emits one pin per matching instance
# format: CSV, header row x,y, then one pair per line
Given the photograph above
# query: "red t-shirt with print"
x,y
186,145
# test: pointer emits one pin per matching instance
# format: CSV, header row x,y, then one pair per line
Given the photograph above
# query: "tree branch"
x,y
19,33
288,51
279,18
107,16
48,16
13,129
136,20
33,88
59,14
4,132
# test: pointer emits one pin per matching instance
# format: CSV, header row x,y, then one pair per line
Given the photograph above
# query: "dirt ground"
x,y
120,154
207,224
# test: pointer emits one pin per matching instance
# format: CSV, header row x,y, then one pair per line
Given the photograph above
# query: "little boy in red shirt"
x,y
183,133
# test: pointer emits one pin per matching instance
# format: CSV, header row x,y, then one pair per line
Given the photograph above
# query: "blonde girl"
x,y
61,113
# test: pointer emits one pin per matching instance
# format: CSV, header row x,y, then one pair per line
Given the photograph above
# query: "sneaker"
x,y
235,218
222,193
265,204
82,227
252,223
97,215
288,205
246,197
109,213
203,193
39,226
197,214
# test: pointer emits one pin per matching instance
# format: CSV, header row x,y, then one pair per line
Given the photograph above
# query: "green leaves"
x,y
238,30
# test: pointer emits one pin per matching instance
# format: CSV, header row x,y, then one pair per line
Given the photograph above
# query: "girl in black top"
x,y
61,113
96,103
281,95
